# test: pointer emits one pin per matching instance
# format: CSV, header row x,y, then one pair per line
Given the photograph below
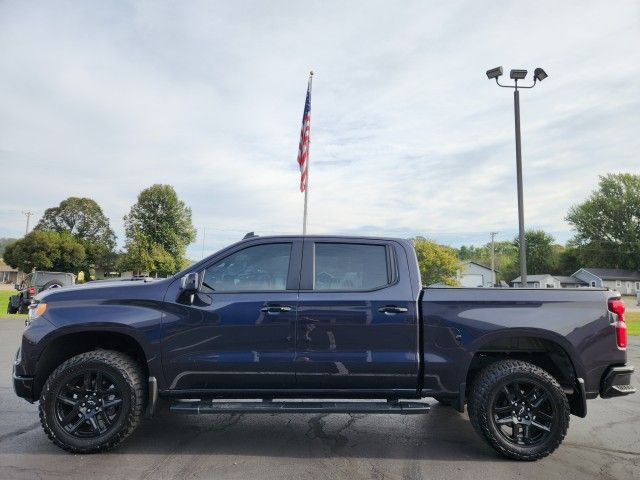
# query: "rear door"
x,y
357,318
238,333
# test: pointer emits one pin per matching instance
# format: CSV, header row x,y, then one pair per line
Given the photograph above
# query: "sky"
x,y
408,136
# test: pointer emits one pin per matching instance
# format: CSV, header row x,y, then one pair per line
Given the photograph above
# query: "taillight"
x,y
31,291
617,306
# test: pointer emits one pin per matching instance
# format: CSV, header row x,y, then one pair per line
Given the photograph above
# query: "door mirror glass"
x,y
189,283
17,286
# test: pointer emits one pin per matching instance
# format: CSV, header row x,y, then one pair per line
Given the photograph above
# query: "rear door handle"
x,y
272,309
392,309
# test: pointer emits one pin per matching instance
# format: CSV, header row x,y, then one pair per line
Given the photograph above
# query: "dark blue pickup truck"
x,y
283,324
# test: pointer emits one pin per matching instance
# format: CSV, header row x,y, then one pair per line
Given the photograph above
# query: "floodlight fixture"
x,y
539,74
518,74
494,73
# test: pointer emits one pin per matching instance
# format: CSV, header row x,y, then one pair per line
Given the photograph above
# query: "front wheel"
x,y
93,401
519,409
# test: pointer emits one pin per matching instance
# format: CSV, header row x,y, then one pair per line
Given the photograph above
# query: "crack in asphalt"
x,y
601,449
19,431
335,441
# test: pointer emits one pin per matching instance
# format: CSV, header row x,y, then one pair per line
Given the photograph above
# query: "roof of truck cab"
x,y
336,237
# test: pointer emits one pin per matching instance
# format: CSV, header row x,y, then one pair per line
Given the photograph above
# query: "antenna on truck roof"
x,y
249,235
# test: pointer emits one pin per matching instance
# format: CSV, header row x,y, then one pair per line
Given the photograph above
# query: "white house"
x,y
544,280
473,274
626,282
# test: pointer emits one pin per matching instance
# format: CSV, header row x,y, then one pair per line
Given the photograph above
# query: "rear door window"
x,y
348,266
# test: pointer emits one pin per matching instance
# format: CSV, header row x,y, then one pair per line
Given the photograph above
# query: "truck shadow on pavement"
x,y
442,434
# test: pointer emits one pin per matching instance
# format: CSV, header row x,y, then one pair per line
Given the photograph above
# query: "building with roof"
x,y
544,280
626,282
8,274
474,274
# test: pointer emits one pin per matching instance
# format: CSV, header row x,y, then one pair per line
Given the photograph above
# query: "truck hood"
x,y
100,287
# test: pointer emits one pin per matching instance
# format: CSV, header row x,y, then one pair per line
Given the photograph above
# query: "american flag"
x,y
303,150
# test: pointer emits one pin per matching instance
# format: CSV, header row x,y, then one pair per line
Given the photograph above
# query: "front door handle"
x,y
273,309
392,309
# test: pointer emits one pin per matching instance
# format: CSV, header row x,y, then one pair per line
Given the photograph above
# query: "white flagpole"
x,y
306,179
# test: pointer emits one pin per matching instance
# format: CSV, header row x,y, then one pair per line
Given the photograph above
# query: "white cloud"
x,y
408,137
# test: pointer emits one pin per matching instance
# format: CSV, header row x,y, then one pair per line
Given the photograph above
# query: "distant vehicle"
x,y
273,319
35,283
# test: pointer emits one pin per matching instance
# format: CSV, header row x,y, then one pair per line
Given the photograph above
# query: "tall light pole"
x,y
538,75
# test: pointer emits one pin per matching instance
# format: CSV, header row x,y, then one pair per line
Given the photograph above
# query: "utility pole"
x,y
204,235
27,213
493,257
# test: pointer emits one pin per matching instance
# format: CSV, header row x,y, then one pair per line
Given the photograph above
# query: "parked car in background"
x,y
35,283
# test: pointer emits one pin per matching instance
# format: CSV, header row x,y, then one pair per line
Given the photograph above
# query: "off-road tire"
x,y
120,367
483,392
51,284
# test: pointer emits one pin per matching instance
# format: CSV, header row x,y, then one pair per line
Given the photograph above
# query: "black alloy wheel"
x,y
523,412
93,401
520,409
88,404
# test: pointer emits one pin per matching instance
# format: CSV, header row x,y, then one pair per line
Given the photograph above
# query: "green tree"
x,y
142,255
46,250
569,260
438,264
83,218
607,224
4,242
505,257
541,255
159,219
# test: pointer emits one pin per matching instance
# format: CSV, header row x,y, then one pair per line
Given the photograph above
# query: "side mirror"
x,y
189,283
17,286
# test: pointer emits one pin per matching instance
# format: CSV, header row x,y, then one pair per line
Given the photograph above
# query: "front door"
x,y
357,320
239,330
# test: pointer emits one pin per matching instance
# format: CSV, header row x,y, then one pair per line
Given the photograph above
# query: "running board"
x,y
202,407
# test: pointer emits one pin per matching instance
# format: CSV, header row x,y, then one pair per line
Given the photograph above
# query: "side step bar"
x,y
201,407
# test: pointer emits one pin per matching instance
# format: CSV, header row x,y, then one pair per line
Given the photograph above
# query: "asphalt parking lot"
x,y
441,444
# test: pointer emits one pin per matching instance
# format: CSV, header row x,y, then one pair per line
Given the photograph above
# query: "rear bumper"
x,y
616,382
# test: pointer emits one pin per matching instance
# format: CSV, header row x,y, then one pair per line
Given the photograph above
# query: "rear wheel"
x,y
93,401
519,409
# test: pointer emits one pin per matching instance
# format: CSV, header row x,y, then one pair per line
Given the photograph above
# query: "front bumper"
x,y
616,382
22,385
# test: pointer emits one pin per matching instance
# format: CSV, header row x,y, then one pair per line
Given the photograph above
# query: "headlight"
x,y
35,310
